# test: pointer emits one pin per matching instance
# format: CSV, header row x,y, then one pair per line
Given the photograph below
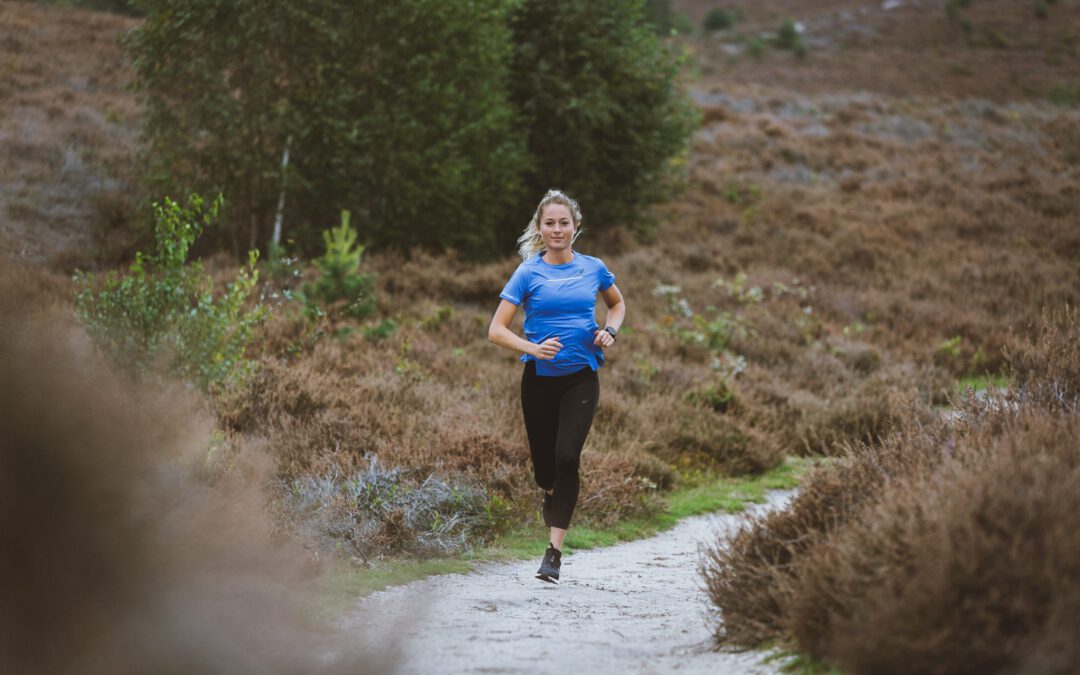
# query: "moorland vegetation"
x,y
861,232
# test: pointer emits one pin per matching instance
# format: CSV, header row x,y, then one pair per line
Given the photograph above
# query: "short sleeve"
x,y
606,277
518,286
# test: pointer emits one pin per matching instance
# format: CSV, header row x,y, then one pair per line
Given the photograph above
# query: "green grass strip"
x,y
700,493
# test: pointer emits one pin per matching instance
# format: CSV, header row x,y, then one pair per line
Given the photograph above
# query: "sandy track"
x,y
636,607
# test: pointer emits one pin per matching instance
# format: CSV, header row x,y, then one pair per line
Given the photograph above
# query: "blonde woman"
x,y
562,350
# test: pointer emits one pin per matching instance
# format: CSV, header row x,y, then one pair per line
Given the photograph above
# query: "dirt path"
x,y
636,607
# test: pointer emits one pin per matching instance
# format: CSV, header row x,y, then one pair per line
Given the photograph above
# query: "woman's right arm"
x,y
499,332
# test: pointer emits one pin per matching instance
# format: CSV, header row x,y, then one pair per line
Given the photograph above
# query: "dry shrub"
x,y
614,487
868,415
971,567
947,547
119,556
695,435
751,577
1048,367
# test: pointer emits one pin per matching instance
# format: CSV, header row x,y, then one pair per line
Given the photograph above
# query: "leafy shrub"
x,y
755,48
597,94
789,37
163,310
1065,95
340,289
381,330
720,18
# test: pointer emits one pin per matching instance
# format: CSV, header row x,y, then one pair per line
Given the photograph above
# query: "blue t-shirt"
x,y
560,301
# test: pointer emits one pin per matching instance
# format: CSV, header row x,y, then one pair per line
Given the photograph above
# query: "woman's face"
x,y
556,227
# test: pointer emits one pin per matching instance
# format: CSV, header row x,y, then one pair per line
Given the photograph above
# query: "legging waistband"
x,y
584,373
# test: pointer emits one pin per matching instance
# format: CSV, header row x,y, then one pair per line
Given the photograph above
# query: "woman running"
x,y
562,349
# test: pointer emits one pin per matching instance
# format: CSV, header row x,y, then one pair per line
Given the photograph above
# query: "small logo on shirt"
x,y
585,401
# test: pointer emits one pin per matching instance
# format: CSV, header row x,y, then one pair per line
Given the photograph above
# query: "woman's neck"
x,y
558,258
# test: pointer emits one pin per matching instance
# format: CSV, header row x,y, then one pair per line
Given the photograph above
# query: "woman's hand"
x,y
603,339
547,349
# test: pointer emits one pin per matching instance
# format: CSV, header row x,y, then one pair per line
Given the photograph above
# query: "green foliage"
x,y
717,395
755,47
597,93
950,347
340,289
163,310
659,14
129,7
790,38
381,330
395,110
681,24
720,18
1065,95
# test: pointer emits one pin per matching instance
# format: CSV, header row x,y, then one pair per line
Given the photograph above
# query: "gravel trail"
x,y
636,607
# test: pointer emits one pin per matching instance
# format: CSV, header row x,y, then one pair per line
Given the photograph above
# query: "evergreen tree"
x,y
597,93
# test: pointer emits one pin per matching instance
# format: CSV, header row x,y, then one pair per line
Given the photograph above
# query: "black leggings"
x,y
558,413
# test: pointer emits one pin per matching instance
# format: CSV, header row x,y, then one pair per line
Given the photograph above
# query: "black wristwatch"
x,y
611,331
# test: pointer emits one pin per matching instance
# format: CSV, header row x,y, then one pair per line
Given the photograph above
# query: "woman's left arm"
x,y
616,312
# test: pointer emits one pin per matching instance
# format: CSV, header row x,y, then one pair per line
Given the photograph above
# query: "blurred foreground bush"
x,y
163,311
951,546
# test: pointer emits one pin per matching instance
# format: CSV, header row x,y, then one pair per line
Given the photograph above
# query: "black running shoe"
x,y
549,568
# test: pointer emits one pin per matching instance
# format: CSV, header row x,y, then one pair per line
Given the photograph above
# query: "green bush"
x,y
597,93
755,48
394,110
163,311
719,18
788,37
129,7
1065,95
340,287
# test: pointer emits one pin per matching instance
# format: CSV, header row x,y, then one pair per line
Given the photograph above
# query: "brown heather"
x,y
949,547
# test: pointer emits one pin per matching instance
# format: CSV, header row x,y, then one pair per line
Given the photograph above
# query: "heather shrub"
x,y
868,415
164,312
946,546
1047,368
968,568
376,510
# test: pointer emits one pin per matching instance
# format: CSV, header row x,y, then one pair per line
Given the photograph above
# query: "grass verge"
x,y
700,493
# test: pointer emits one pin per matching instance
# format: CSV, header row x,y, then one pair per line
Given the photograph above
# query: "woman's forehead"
x,y
556,211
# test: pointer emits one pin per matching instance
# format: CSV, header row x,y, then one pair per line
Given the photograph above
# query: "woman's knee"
x,y
567,464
